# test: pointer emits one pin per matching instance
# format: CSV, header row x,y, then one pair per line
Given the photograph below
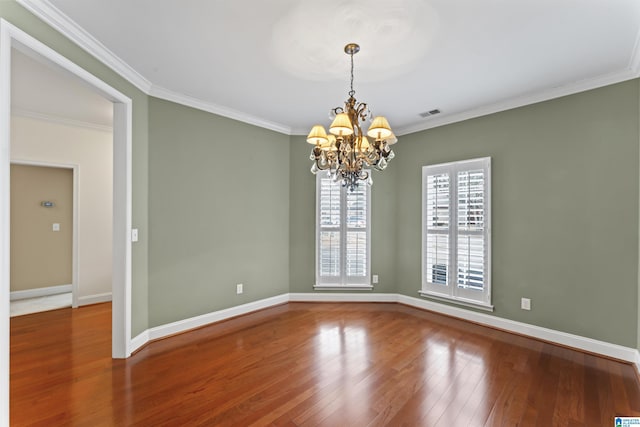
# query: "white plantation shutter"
x,y
343,234
356,224
436,249
456,235
329,239
330,253
471,256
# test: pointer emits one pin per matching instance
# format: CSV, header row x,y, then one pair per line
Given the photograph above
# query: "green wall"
x,y
303,216
564,206
219,212
21,18
565,210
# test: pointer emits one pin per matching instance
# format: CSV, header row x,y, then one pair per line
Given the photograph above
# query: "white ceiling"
x,y
280,63
42,91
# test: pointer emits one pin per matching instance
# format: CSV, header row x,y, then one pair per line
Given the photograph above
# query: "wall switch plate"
x,y
134,234
525,304
375,278
239,289
55,227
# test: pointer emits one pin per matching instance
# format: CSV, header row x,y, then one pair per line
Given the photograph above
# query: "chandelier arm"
x,y
361,111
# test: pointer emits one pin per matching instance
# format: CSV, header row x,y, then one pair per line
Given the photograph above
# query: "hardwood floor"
x,y
309,364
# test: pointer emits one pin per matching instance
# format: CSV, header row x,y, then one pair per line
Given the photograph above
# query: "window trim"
x,y
342,282
450,295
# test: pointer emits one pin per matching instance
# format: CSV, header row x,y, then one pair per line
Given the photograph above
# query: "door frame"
x,y
75,266
13,37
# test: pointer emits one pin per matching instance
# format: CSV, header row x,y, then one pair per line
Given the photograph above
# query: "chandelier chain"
x,y
352,92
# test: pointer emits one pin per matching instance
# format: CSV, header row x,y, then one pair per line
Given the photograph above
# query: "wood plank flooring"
x,y
308,364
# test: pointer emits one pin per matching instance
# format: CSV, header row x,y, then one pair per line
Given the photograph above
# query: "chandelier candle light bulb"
x,y
346,153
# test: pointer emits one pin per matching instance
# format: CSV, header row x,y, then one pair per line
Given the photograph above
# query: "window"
x,y
342,234
456,239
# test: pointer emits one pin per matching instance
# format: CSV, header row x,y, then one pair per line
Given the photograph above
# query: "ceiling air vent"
x,y
429,113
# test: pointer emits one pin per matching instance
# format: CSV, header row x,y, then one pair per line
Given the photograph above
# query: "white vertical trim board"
x,y
39,292
13,37
122,225
5,122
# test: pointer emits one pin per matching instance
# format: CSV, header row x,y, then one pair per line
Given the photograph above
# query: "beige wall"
x,y
40,257
91,150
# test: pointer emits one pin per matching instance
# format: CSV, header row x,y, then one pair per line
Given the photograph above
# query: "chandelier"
x,y
346,152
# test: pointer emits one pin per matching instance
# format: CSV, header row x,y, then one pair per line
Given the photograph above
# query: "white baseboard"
x,y
342,297
215,316
139,340
575,341
94,299
39,292
570,340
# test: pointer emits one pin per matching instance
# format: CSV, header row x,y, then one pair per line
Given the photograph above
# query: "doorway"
x,y
44,237
12,37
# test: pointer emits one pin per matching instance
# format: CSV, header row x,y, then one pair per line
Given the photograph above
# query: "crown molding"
x,y
189,101
18,112
521,101
44,10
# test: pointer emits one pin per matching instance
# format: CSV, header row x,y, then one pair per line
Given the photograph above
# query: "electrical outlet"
x,y
375,278
239,288
525,304
55,226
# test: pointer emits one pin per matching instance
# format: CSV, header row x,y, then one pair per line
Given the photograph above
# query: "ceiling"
x,y
39,90
280,63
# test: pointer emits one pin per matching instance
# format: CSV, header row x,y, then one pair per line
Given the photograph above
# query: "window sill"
x,y
343,287
457,301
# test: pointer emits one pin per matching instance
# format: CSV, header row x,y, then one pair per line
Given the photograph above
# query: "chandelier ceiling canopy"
x,y
346,152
